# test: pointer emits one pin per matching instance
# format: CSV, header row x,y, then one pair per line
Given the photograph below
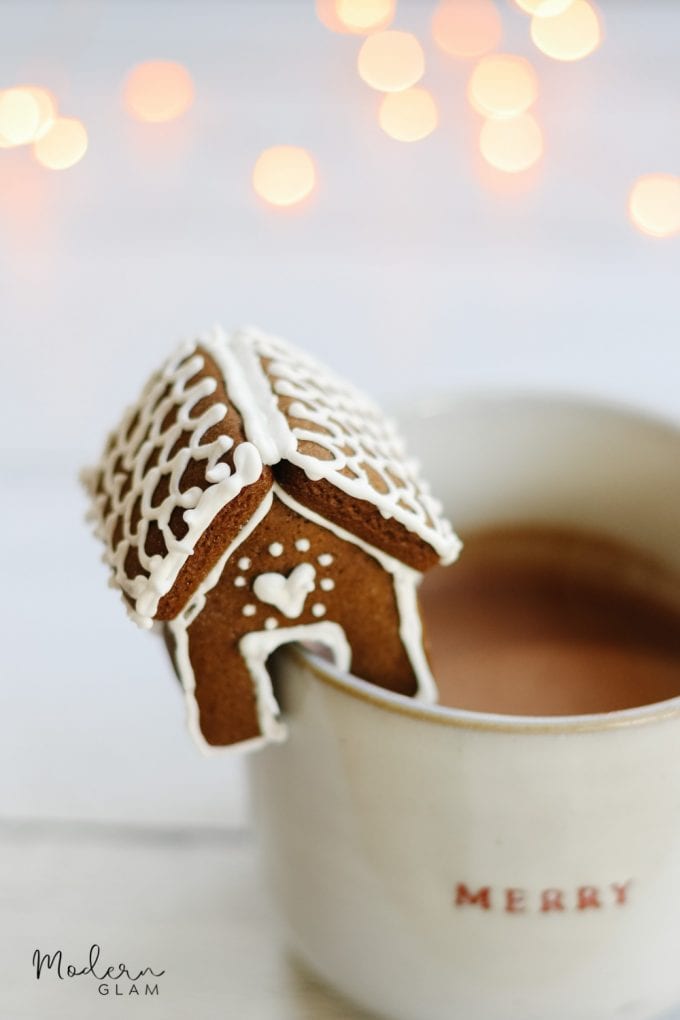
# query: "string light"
x,y
571,35
357,17
466,28
543,8
365,15
327,13
284,175
47,105
391,61
29,113
408,116
502,86
654,205
158,91
511,145
20,116
64,144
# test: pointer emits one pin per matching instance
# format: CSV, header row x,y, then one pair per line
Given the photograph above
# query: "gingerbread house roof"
x,y
197,447
305,415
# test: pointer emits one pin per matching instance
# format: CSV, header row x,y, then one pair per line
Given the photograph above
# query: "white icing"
x,y
123,467
250,391
249,610
271,729
275,549
197,603
327,584
287,594
352,446
406,581
258,645
256,648
239,582
360,446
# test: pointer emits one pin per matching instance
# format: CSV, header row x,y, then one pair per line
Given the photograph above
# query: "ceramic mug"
x,y
435,864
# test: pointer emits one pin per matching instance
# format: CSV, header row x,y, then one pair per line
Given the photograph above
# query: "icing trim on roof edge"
x,y
200,506
254,396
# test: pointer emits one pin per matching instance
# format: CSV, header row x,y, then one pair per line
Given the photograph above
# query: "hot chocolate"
x,y
542,621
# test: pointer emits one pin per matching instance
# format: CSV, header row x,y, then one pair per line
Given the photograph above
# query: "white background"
x,y
411,269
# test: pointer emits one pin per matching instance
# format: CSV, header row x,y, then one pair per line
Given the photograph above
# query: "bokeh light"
x,y
158,91
408,116
502,85
20,116
365,15
391,61
327,13
357,17
467,28
4,142
511,145
284,175
26,113
572,35
654,204
543,8
64,144
47,106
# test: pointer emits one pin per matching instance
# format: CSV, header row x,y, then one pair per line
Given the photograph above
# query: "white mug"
x,y
437,864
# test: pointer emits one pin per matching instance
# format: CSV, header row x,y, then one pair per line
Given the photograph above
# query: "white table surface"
x,y
409,271
186,902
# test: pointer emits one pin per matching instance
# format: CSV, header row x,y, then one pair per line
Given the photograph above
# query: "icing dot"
x,y
327,584
276,549
325,559
302,545
271,623
243,563
239,582
249,610
318,609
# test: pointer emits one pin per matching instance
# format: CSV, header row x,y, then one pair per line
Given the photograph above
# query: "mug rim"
x,y
458,718
431,405
462,718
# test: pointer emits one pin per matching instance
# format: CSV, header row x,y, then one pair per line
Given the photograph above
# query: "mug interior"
x,y
554,460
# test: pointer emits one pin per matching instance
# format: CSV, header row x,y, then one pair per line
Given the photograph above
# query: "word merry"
x,y
514,900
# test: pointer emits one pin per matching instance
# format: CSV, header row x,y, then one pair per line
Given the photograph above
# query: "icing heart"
x,y
287,594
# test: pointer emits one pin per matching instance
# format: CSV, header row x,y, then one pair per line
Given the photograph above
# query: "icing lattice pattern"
x,y
342,437
168,469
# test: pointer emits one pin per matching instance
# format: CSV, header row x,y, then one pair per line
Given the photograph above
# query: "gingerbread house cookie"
x,y
250,498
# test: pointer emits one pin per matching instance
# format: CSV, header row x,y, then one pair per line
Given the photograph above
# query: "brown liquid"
x,y
538,621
